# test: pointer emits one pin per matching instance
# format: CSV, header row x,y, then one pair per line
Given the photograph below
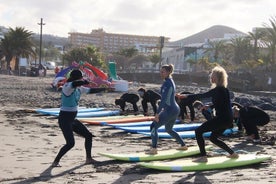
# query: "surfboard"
x,y
161,155
188,134
131,124
98,113
95,114
55,111
105,118
218,162
176,127
119,120
136,124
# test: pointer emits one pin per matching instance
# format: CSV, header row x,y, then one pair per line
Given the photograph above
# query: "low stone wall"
x,y
237,82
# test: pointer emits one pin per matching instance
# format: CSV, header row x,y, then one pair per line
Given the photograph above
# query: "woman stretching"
x,y
167,111
70,97
223,118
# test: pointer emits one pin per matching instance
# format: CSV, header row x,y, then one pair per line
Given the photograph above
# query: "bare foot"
x,y
89,161
233,155
182,148
55,164
152,151
202,159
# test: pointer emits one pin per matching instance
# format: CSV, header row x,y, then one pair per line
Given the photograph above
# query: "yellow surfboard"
x,y
218,162
161,155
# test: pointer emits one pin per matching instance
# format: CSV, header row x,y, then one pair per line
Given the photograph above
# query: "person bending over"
x,y
250,118
151,97
206,110
183,104
129,98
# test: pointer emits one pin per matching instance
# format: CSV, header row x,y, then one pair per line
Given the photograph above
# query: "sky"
x,y
176,19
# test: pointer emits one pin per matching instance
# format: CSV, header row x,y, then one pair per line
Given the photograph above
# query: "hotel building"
x,y
112,42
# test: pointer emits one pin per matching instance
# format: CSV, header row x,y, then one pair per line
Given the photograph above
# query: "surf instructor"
x,y
223,118
70,97
167,111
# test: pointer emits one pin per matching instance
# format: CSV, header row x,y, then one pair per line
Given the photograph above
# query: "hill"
x,y
217,31
52,40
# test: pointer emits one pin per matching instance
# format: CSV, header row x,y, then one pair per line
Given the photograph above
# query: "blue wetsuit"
x,y
70,97
168,111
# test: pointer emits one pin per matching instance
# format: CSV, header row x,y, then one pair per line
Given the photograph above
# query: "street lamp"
x,y
162,40
40,43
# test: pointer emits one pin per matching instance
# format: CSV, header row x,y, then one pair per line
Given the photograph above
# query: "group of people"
x,y
148,96
153,98
166,113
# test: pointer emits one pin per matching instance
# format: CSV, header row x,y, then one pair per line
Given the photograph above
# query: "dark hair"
x,y
75,75
142,89
118,101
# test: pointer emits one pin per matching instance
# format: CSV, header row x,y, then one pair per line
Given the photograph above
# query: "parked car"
x,y
50,65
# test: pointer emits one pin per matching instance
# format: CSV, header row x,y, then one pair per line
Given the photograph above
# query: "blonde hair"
x,y
221,76
169,68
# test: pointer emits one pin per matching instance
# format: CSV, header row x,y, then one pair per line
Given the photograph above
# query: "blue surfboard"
x,y
98,113
95,114
187,134
55,111
176,127
134,124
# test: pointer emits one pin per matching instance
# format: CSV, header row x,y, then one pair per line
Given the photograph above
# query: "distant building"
x,y
192,51
113,42
3,31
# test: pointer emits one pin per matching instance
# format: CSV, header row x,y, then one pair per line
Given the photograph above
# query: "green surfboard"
x,y
162,155
218,162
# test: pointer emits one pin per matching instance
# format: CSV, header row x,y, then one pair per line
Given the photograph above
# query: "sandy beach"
x,y
29,143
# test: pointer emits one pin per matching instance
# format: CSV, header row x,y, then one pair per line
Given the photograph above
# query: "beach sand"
x,y
29,143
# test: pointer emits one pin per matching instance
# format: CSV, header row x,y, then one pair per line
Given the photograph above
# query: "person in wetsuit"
x,y
130,98
223,118
167,111
149,96
250,118
183,104
205,110
70,96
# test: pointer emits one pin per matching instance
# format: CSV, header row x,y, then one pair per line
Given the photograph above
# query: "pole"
x,y
162,39
40,42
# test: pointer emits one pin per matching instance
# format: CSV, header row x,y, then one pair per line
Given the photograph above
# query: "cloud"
x,y
176,19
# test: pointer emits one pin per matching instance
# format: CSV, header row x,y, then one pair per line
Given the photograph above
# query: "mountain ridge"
x,y
216,31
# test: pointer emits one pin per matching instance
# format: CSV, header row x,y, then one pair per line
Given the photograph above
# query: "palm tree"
x,y
89,54
256,36
137,60
17,43
241,49
215,49
270,38
155,59
126,54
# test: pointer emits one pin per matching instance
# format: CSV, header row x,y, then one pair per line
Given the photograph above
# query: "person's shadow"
x,y
46,175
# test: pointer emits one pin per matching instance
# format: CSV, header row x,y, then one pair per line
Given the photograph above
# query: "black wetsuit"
x,y
150,97
130,98
251,117
222,120
183,103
